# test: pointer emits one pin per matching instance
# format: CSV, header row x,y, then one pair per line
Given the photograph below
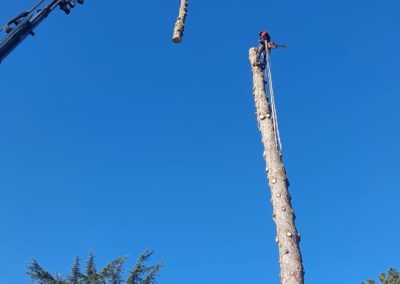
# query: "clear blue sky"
x,y
113,139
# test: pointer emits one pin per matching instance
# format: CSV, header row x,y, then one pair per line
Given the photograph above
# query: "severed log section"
x,y
290,260
180,23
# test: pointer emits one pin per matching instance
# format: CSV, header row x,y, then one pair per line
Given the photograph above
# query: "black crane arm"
x,y
25,23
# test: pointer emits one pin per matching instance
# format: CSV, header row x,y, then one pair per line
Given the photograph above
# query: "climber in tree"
x,y
261,51
264,37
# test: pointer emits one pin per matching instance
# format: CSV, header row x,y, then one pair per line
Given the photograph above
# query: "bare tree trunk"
x,y
180,22
291,265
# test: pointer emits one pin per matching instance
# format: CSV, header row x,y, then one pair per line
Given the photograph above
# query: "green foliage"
x,y
152,275
76,276
37,273
142,274
392,277
110,274
91,275
113,271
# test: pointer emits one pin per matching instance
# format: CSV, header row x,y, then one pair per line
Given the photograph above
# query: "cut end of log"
x,y
177,39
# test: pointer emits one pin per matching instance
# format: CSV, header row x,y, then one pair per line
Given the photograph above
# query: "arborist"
x,y
262,49
264,38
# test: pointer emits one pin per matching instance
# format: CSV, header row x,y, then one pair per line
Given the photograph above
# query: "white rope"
x,y
272,99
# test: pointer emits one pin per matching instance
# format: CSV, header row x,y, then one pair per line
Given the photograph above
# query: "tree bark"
x,y
180,22
290,260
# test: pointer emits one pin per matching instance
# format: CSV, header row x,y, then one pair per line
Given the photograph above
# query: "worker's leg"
x,y
264,63
260,51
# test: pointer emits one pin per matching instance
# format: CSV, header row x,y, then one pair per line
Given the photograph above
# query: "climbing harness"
x,y
268,75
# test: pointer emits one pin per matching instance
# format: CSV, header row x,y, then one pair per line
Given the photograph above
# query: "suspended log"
x,y
180,23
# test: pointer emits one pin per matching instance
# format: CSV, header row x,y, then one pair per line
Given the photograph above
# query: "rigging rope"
x,y
267,70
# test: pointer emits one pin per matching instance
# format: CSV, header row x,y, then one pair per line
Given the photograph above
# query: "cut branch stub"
x,y
180,22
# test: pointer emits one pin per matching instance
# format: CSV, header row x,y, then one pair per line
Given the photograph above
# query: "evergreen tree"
x,y
110,274
91,276
142,274
113,271
38,274
152,275
76,276
392,277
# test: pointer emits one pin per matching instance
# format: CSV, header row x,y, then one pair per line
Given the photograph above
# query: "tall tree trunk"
x,y
180,22
291,265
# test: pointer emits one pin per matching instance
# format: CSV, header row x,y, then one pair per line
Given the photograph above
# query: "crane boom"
x,y
25,23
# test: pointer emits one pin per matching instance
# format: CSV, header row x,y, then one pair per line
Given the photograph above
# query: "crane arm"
x,y
25,23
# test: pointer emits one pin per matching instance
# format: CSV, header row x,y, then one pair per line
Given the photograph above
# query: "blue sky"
x,y
116,140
